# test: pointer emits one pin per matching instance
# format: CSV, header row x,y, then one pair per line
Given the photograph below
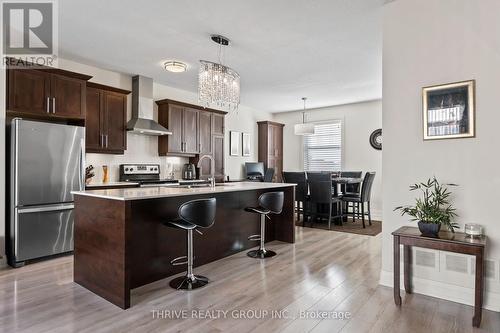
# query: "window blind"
x,y
323,150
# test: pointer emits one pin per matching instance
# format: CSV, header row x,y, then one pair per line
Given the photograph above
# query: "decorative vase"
x,y
429,229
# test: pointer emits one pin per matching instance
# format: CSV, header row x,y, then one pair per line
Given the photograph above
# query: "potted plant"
x,y
433,209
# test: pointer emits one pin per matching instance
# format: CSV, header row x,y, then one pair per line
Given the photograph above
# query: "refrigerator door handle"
x,y
45,209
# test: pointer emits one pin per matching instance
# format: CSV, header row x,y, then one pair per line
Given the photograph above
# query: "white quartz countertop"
x,y
97,185
141,193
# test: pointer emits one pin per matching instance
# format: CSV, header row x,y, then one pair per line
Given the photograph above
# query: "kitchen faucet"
x,y
212,168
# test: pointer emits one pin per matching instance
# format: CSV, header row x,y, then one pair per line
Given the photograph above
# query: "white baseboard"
x,y
445,291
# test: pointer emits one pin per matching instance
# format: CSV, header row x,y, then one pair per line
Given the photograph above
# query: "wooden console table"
x,y
446,241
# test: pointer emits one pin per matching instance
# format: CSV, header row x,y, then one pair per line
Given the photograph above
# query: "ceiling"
x,y
327,50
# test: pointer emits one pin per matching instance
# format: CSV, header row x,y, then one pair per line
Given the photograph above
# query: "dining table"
x,y
339,183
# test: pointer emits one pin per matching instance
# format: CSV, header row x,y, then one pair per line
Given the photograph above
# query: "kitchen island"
x,y
120,242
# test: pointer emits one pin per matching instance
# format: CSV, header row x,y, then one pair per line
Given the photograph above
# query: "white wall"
x,y
142,148
360,120
428,42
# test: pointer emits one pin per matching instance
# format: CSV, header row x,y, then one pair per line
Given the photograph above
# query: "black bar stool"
x,y
269,203
192,215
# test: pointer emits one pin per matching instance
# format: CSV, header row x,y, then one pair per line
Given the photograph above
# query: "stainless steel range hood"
x,y
142,109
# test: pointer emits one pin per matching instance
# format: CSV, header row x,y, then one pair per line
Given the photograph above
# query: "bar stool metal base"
x,y
189,283
261,253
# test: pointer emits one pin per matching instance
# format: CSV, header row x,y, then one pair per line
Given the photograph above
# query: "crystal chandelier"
x,y
218,85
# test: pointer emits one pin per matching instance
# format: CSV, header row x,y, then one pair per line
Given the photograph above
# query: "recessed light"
x,y
175,66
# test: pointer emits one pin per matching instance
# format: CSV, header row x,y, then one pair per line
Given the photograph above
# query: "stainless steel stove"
x,y
148,175
144,174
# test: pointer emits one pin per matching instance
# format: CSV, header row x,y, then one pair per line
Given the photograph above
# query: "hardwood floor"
x,y
323,271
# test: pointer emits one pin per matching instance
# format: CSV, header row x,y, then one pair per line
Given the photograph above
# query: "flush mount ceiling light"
x,y
304,129
218,85
175,66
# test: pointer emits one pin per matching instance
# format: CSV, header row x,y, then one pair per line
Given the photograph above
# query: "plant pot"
x,y
429,229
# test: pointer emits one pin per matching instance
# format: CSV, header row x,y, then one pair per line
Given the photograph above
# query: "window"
x,y
323,150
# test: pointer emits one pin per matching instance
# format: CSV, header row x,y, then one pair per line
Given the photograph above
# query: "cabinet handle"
x,y
48,104
101,140
199,147
53,105
106,141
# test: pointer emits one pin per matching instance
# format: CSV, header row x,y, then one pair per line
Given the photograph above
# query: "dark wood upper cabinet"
x,y
68,96
172,119
28,91
218,124
196,131
46,93
192,128
93,120
190,131
105,125
271,147
205,132
115,111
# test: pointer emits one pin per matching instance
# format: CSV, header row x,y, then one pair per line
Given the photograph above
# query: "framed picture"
x,y
234,142
245,140
448,111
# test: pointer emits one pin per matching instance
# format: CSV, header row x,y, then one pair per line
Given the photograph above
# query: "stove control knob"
x,y
126,169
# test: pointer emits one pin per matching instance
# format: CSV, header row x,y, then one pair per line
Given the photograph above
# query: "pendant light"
x,y
218,85
304,129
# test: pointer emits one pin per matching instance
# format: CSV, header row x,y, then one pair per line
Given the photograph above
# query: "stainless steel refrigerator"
x,y
47,162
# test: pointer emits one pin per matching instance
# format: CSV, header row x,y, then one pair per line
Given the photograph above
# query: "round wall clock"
x,y
376,139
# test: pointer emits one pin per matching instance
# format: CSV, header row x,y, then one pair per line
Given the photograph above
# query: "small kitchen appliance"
x,y
188,171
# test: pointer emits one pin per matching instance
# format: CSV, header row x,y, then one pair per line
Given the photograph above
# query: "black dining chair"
x,y
313,176
301,192
268,176
319,176
352,189
359,201
321,193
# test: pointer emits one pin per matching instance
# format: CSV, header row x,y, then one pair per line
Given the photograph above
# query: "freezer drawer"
x,y
43,231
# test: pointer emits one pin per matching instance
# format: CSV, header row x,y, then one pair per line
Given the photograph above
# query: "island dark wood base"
x,y
452,242
121,245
